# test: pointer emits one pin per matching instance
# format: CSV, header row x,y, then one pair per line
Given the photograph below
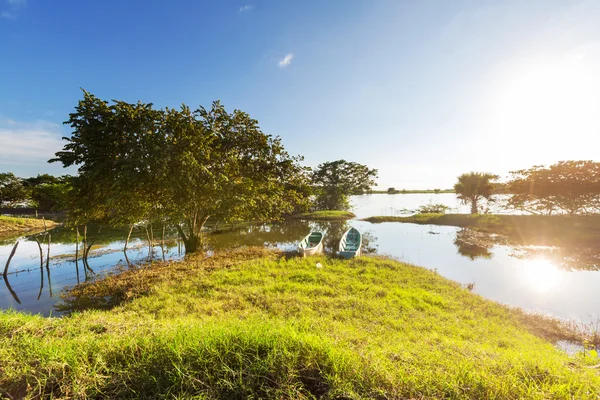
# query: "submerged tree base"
x,y
253,323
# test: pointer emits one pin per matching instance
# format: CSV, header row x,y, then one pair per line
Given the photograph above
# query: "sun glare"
x,y
541,274
544,103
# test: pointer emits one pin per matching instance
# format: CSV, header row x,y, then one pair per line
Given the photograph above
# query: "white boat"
x,y
312,244
350,245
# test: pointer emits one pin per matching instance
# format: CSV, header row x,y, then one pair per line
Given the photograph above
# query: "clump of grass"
x,y
254,324
325,215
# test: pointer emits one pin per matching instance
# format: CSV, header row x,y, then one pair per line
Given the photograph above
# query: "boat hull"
x,y
312,251
350,244
311,245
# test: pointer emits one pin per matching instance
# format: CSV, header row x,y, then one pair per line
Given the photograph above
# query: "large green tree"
x,y
137,163
336,180
12,190
473,187
567,187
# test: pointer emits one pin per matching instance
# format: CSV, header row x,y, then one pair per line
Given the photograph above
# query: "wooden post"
x,y
149,243
87,252
48,255
127,240
76,244
84,241
127,259
12,292
41,253
12,253
151,236
162,242
41,279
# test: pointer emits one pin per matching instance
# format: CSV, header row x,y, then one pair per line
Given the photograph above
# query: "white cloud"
x,y
287,60
31,144
16,3
8,15
247,7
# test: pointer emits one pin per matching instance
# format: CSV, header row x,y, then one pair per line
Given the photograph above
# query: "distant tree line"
x,y
567,187
44,192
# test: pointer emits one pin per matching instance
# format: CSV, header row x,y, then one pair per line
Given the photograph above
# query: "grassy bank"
x,y
257,324
555,230
326,215
13,226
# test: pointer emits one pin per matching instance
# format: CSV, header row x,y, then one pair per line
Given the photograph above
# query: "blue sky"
x,y
421,90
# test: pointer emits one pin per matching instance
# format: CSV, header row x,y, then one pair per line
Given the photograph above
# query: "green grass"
x,y
14,225
417,191
326,215
256,324
555,230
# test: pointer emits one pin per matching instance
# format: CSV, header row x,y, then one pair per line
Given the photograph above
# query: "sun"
x,y
540,103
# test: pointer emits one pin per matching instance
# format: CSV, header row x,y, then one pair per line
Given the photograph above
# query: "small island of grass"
x,y
326,215
13,226
254,323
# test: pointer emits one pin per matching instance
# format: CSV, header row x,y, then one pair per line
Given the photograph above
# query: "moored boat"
x,y
350,244
312,244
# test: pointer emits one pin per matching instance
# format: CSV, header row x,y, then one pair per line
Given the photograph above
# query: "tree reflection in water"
x,y
473,245
286,235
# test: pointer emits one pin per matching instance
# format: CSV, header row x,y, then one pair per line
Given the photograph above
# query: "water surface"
x,y
557,282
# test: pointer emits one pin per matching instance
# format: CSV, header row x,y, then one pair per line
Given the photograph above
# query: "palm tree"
x,y
473,187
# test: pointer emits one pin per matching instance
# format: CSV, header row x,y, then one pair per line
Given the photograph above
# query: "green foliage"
x,y
571,187
45,179
433,208
392,190
12,190
180,166
473,187
336,180
276,327
51,194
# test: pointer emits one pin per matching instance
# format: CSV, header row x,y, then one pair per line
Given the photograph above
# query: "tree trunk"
x,y
127,240
193,242
474,207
